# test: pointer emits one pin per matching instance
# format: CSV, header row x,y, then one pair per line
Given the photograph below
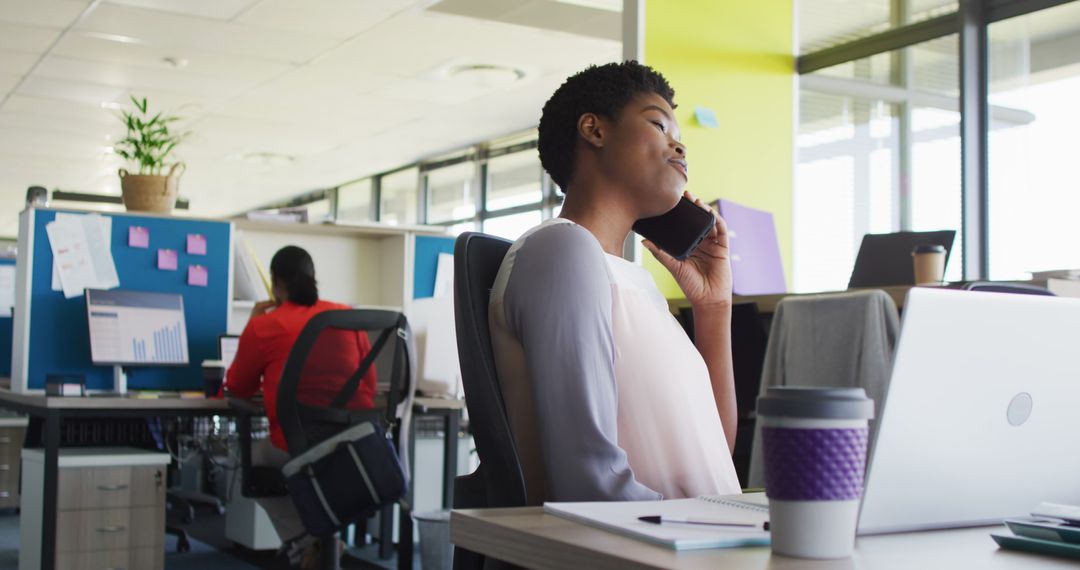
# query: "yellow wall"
x,y
734,57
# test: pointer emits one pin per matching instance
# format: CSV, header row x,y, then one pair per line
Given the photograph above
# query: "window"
x,y
355,201
452,193
935,179
398,197
846,185
1034,87
511,227
514,180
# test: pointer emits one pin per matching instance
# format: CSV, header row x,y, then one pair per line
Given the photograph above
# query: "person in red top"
x,y
260,358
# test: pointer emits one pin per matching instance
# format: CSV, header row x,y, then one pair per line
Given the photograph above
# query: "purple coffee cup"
x,y
814,442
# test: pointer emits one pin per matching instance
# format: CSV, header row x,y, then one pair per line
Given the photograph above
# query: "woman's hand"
x,y
262,307
705,275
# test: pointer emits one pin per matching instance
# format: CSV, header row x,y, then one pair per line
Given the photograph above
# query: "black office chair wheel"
x,y
183,545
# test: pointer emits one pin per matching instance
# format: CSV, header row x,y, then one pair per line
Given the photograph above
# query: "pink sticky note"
x,y
166,259
196,244
138,236
197,276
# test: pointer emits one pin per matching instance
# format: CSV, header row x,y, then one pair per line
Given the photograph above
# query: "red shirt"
x,y
264,348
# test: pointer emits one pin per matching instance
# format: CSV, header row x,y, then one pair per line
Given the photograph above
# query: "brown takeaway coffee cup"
x,y
929,260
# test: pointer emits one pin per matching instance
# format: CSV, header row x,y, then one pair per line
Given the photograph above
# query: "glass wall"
x,y
452,193
398,197
1034,196
355,202
846,185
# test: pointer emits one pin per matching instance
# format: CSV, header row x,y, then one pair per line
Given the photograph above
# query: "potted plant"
x,y
148,144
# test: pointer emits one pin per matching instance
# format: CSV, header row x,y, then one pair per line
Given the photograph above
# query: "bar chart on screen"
x,y
133,327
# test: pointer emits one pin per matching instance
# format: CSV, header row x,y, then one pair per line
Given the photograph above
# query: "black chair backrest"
x,y
1019,288
304,426
477,258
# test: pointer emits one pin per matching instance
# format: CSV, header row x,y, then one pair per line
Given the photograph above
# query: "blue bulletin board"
x,y
426,262
59,333
6,324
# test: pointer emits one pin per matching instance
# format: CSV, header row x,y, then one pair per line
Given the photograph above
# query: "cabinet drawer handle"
x,y
118,528
120,487
4,494
5,439
5,467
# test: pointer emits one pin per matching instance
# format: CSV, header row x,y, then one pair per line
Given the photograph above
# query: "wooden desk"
x,y
528,537
54,409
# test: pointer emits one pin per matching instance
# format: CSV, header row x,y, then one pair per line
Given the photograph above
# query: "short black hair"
x,y
293,267
603,90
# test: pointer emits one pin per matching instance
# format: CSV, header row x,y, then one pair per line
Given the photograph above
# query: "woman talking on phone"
x,y
260,359
607,397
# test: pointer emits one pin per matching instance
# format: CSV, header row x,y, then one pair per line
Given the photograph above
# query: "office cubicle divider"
x,y
51,334
426,263
6,323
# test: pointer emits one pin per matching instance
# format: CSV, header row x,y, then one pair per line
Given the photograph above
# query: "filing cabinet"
x,y
12,432
110,509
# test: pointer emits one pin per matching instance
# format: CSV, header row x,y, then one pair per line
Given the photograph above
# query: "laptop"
x,y
979,423
227,344
756,266
885,259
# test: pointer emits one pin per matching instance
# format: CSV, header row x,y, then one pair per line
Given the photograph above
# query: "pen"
x,y
664,520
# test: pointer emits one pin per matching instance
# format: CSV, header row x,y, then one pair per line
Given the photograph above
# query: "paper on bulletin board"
x,y
444,276
81,254
7,290
106,226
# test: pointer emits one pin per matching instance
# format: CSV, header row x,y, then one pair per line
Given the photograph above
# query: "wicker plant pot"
x,y
150,192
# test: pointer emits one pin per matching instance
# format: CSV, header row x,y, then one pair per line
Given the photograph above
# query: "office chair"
x,y
304,425
499,480
1018,288
839,340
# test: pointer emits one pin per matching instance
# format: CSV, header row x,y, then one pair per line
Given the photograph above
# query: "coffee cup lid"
x,y
817,403
929,248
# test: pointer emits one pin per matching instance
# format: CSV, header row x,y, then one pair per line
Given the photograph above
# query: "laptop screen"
x,y
227,348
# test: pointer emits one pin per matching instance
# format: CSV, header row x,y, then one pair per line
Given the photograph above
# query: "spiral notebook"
x,y
622,518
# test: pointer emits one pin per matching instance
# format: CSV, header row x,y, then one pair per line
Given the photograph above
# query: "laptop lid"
x,y
756,266
979,422
227,344
885,259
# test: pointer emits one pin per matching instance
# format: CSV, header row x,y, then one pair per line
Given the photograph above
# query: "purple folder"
x,y
755,251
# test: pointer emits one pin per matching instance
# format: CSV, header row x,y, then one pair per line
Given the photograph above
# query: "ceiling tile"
x,y
213,9
137,78
78,91
26,39
336,18
195,61
8,81
62,125
56,14
18,63
177,31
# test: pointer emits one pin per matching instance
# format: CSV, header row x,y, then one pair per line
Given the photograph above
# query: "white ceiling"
x,y
346,88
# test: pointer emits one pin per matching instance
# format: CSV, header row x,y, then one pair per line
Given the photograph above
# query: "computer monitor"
x,y
979,423
885,259
227,345
136,328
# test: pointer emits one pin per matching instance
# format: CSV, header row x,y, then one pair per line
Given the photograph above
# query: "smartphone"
x,y
679,231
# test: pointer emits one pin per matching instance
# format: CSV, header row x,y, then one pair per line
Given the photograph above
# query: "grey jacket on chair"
x,y
844,340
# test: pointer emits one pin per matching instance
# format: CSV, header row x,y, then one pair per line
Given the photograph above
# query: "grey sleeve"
x,y
558,304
